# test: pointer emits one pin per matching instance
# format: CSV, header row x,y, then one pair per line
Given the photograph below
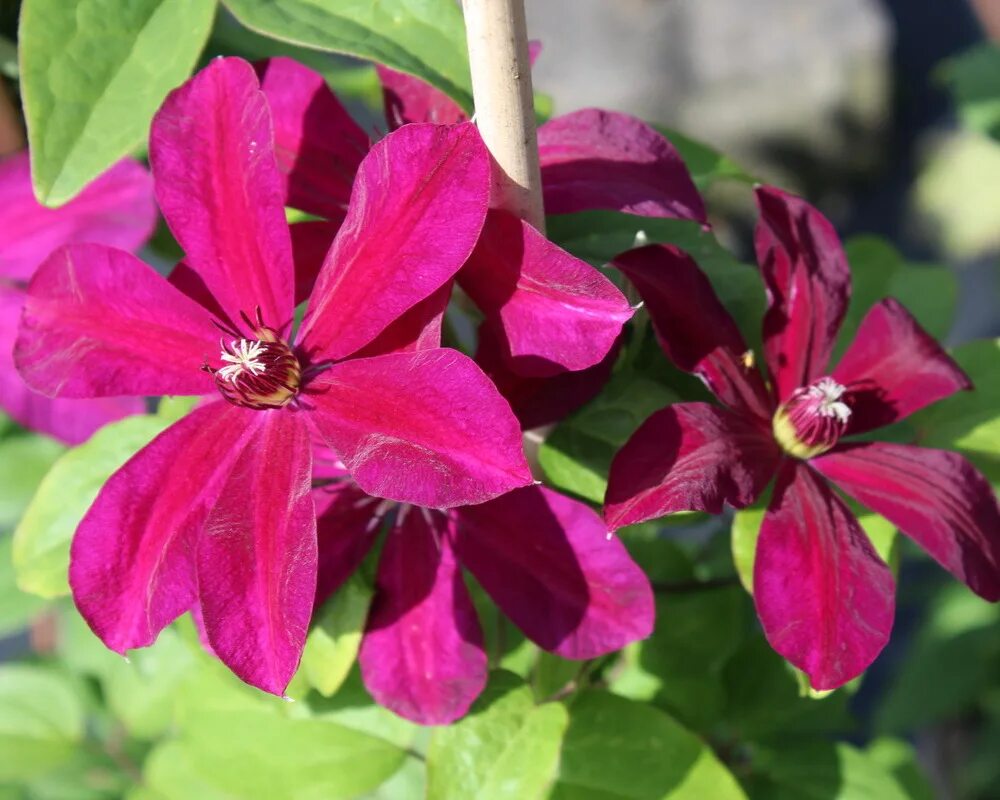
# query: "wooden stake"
x,y
501,86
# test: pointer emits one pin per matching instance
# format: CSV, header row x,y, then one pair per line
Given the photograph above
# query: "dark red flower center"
x,y
260,372
812,419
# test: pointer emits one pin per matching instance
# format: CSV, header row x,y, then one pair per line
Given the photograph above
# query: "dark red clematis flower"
x,y
216,513
546,560
824,597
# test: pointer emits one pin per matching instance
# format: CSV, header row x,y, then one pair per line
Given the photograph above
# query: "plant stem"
x,y
497,37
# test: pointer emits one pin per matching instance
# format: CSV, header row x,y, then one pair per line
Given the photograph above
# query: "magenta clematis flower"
x,y
544,559
116,209
216,514
546,311
824,597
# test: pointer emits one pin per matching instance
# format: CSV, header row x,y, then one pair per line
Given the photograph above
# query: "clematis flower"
x,y
546,311
544,559
823,595
115,209
216,513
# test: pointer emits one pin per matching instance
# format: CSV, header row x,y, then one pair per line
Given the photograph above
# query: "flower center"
x,y
258,373
812,419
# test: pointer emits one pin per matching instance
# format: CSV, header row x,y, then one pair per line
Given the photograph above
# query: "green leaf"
x,y
900,760
576,456
969,422
599,236
507,747
172,409
41,721
679,666
974,80
332,645
425,38
617,749
764,697
878,271
93,72
169,774
24,460
706,164
16,607
42,539
814,770
262,754
949,665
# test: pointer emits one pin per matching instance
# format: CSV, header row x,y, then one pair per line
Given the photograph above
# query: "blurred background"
x,y
885,114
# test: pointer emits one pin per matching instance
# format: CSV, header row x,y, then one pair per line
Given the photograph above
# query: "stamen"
x,y
812,419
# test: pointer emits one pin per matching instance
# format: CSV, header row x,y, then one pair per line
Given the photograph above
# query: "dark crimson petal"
x,y
211,147
98,322
422,655
893,368
317,144
132,562
257,555
555,312
550,565
311,241
935,497
689,457
419,328
418,206
595,159
409,99
824,597
71,421
115,209
347,523
693,327
541,401
808,286
426,428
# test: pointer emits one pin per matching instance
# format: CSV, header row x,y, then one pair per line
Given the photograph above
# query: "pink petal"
x,y
808,286
190,283
422,655
602,159
689,457
132,567
346,527
541,401
417,209
257,555
317,144
409,99
693,327
550,565
419,328
426,428
893,368
824,597
71,421
935,497
311,241
555,312
98,322
211,147
115,209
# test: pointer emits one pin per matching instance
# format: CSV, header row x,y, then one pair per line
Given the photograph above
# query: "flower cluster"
x,y
331,422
